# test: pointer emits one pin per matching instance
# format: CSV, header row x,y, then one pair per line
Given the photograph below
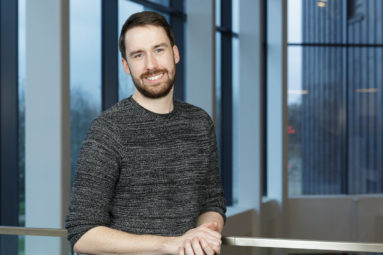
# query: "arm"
x,y
211,217
104,240
201,244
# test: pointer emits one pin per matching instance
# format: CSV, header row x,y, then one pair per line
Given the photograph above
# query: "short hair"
x,y
142,19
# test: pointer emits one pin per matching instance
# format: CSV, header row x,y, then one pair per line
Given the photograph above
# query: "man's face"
x,y
151,60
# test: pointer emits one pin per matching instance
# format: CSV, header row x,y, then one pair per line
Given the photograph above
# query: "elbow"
x,y
78,247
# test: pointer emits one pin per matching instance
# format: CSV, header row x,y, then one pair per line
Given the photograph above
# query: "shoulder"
x,y
193,112
108,121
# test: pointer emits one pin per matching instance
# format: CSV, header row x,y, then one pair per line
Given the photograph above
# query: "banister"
x,y
232,241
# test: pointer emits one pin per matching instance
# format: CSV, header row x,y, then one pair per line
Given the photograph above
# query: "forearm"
x,y
209,217
104,240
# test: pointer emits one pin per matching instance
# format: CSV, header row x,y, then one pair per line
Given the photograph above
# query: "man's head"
x,y
149,54
142,19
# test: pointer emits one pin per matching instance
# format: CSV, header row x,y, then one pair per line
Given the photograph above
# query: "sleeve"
x,y
215,200
94,182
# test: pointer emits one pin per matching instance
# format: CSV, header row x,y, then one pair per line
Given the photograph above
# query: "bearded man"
x,y
147,177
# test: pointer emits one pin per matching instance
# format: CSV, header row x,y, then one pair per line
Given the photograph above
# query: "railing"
x,y
231,241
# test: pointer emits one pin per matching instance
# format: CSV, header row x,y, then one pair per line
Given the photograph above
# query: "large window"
x,y
335,97
85,69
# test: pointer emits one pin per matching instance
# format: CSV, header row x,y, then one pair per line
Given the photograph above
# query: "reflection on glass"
x,y
335,99
321,24
85,69
125,9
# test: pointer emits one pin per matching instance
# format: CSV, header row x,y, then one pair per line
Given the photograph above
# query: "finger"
x,y
197,246
208,235
206,248
181,251
212,241
211,232
188,248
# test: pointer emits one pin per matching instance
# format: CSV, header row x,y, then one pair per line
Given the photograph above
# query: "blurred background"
x,y
294,88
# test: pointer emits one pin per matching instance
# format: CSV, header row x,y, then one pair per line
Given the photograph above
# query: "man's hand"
x,y
205,239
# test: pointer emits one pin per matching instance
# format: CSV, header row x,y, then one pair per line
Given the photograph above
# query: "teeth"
x,y
154,77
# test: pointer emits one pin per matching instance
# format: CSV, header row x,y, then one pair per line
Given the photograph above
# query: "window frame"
x,y
9,169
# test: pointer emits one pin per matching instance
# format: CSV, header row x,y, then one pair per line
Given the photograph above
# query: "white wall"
x,y
47,172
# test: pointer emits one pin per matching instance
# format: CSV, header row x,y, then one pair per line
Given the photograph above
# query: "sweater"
x,y
146,173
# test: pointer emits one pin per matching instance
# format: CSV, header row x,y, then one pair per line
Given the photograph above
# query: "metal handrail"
x,y
233,241
33,231
303,244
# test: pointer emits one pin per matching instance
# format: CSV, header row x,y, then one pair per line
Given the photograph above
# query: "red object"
x,y
290,130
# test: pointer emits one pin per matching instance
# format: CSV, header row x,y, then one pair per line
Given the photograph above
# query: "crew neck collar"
x,y
154,114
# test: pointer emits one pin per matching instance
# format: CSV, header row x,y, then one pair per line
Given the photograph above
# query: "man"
x,y
147,175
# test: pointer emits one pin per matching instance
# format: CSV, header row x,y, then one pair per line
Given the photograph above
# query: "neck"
x,y
161,105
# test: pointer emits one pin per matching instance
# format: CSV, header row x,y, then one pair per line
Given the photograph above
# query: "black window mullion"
x,y
9,170
264,99
227,101
177,23
109,53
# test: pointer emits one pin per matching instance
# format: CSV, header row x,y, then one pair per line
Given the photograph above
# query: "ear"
x,y
125,66
176,54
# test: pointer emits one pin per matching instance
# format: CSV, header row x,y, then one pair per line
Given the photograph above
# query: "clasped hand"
x,y
204,239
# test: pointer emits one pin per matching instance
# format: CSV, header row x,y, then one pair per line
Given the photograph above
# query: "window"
x,y
335,100
85,72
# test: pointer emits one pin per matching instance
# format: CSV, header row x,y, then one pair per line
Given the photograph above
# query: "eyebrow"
x,y
155,47
161,45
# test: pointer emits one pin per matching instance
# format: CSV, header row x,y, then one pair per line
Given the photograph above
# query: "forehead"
x,y
145,37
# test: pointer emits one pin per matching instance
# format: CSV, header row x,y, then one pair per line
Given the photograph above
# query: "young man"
x,y
147,175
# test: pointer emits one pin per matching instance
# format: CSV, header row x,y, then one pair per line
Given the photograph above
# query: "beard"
x,y
158,90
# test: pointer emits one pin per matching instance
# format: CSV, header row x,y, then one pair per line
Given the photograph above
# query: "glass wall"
x,y
335,100
85,69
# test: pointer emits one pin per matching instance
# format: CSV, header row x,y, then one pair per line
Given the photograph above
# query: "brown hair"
x,y
142,19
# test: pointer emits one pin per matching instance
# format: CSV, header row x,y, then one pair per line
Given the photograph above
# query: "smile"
x,y
153,78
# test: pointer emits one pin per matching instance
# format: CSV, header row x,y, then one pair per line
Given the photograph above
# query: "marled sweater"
x,y
146,173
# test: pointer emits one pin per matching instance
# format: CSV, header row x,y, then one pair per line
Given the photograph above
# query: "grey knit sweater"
x,y
146,173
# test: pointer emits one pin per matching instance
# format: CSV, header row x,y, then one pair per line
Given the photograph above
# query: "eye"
x,y
139,55
158,50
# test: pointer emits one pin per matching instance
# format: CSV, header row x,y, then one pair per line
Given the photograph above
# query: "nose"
x,y
151,62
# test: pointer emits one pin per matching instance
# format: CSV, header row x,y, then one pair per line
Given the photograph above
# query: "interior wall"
x,y
348,218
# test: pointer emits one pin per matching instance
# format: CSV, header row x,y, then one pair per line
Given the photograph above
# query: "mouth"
x,y
155,77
